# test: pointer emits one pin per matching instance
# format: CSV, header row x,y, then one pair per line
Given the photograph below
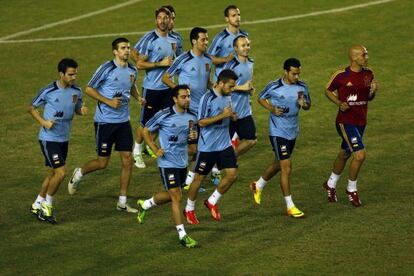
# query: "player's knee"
x,y
360,155
60,172
344,155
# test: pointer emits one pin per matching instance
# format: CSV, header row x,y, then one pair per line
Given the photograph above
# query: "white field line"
x,y
276,19
54,24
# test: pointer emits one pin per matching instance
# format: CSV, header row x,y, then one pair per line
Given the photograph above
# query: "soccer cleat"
x,y
295,212
73,184
139,161
191,217
331,192
200,190
148,151
354,198
141,211
257,194
215,178
35,210
46,213
126,208
214,211
188,242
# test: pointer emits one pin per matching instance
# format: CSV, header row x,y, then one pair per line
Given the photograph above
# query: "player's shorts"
x,y
106,134
351,137
55,153
282,147
245,128
155,100
173,177
225,159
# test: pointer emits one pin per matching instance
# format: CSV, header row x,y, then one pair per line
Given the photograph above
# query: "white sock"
x,y
149,203
190,178
214,197
39,201
181,231
352,186
333,179
49,200
138,148
190,205
260,183
289,201
122,200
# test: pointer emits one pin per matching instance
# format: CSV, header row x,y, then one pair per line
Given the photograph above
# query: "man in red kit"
x,y
350,89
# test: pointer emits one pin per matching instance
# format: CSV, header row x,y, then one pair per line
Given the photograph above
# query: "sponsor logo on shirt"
x,y
352,98
58,114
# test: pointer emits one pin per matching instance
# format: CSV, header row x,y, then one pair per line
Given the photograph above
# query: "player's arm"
x,y
36,115
81,110
220,60
272,109
343,106
373,89
135,93
150,142
94,94
166,79
246,87
227,112
142,62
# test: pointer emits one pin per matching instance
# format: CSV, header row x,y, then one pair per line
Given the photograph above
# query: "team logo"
x,y
132,78
55,157
116,79
352,98
104,145
349,84
56,100
208,67
283,148
171,177
203,164
74,98
193,69
354,140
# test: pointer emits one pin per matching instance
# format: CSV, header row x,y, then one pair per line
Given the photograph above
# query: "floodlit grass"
x,y
93,238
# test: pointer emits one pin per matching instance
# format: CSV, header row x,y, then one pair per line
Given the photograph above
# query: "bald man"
x,y
350,89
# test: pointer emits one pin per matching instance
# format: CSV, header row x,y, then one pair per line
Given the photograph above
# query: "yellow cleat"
x,y
295,212
257,194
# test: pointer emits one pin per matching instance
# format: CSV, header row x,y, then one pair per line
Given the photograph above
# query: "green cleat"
x,y
35,210
141,211
188,242
46,213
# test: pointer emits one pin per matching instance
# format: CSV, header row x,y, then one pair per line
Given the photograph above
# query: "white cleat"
x,y
73,184
126,208
139,161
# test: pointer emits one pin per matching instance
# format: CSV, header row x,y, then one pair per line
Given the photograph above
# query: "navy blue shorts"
x,y
245,128
225,159
351,137
173,177
55,153
282,147
155,100
106,134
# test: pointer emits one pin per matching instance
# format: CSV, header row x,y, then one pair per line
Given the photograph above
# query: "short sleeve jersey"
x,y
195,72
112,80
59,106
214,137
156,48
173,129
285,96
352,88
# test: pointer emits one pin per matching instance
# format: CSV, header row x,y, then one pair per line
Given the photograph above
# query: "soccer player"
x,y
111,86
60,99
283,98
154,53
214,146
350,89
175,130
193,68
179,39
242,65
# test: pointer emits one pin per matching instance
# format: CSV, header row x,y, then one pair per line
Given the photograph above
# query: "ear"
x,y
61,75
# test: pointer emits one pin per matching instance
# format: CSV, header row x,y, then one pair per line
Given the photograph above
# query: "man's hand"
x,y
159,153
343,106
277,111
227,112
83,110
141,101
373,86
48,124
165,62
115,102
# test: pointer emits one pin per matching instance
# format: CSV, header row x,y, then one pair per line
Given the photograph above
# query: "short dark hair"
x,y
176,89
162,9
66,63
171,9
230,7
117,41
237,38
194,33
226,75
291,62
